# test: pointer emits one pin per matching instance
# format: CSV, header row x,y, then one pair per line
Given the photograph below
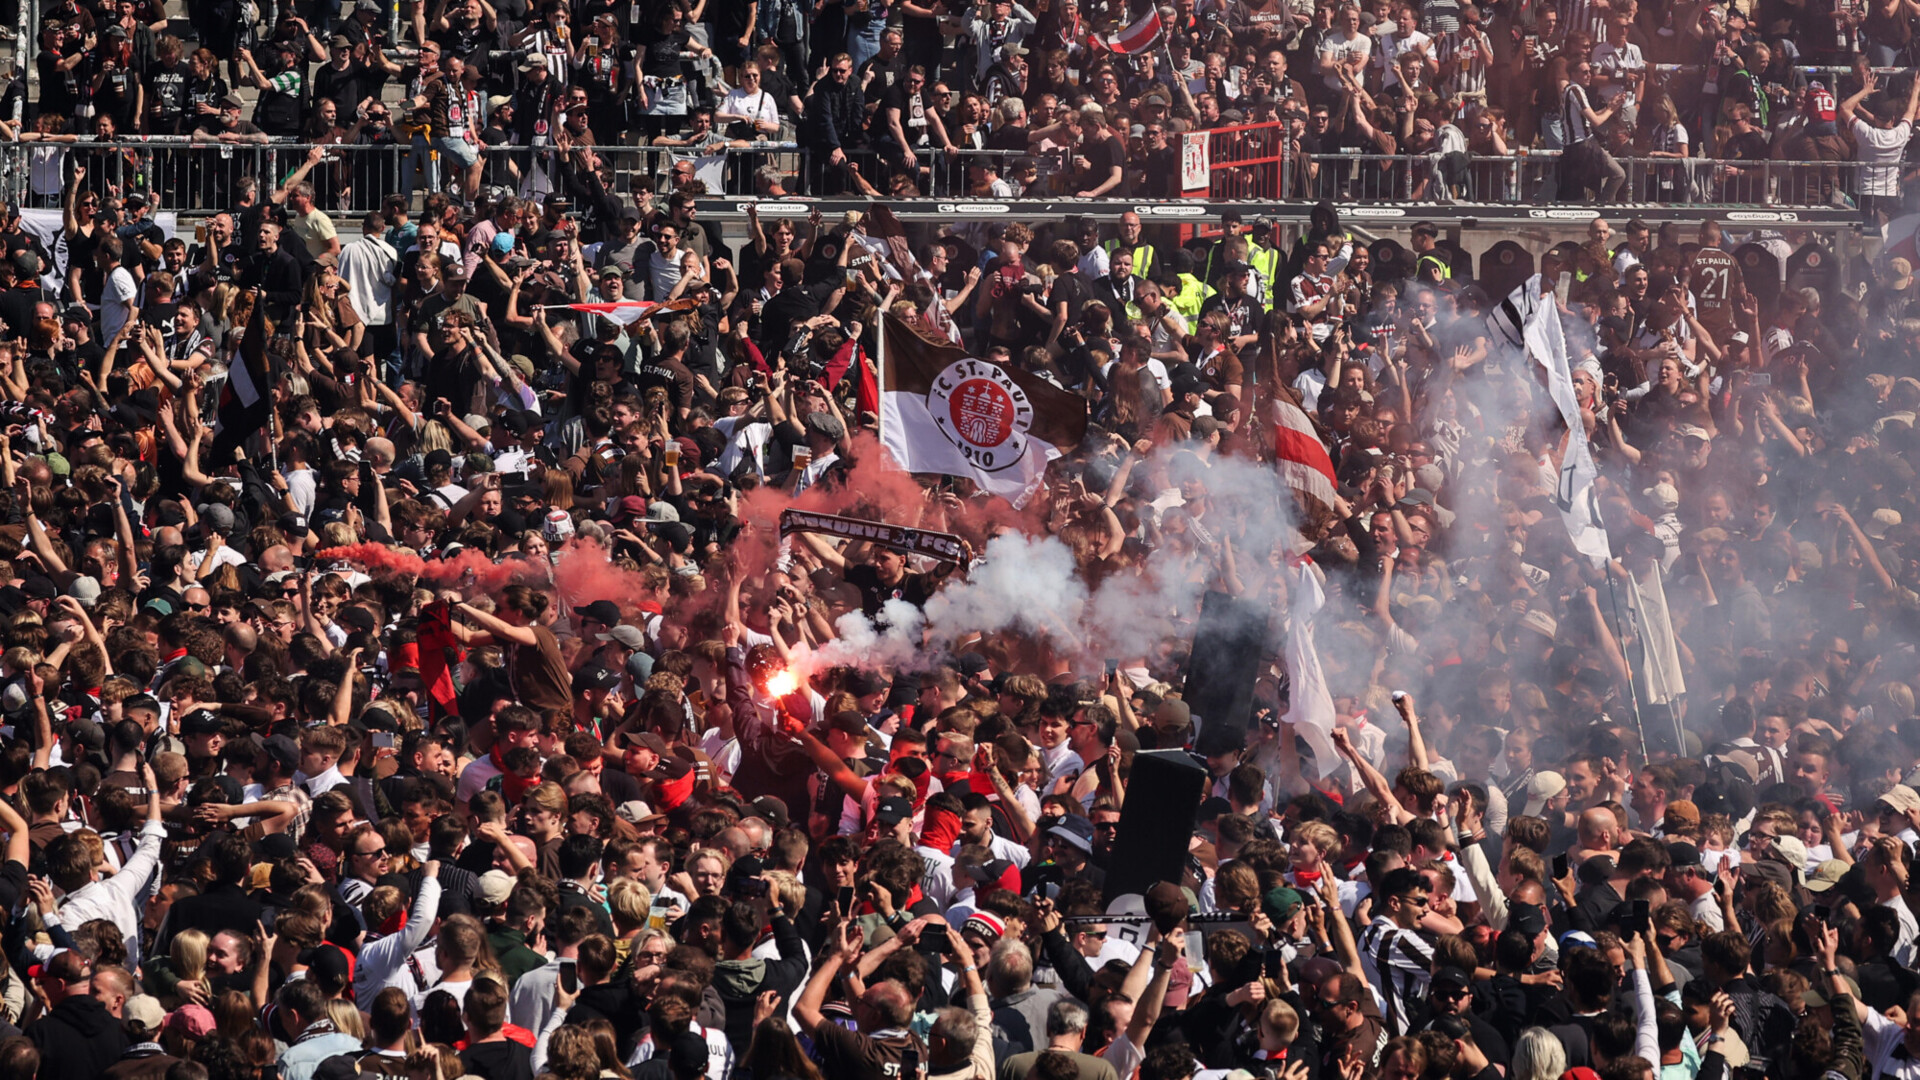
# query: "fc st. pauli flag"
x,y
943,411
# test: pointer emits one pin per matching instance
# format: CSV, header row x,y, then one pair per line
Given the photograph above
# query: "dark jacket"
x,y
78,1040
145,1061
223,907
771,762
741,981
836,116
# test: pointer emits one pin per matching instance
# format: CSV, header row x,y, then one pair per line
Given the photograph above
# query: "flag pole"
x,y
880,367
1613,597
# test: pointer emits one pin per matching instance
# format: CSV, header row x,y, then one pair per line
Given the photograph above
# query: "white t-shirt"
x,y
116,300
759,106
1909,943
1391,46
745,439
1613,62
1881,150
1343,47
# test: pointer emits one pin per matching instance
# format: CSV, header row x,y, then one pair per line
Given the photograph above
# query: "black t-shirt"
x,y
1162,168
662,58
913,113
1009,137
462,41
347,87
16,309
167,98
502,1060
1073,289
913,588
1102,156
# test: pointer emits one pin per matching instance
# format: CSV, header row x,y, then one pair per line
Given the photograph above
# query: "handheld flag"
x,y
628,312
946,412
245,404
1135,39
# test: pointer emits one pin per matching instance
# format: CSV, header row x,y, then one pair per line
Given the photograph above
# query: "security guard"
x,y
1267,259
1130,240
1430,263
1186,292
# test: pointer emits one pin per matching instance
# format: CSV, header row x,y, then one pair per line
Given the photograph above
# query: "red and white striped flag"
x,y
1135,39
627,312
1300,456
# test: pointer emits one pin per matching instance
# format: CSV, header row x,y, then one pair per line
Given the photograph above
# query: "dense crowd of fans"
x,y
474,716
1388,99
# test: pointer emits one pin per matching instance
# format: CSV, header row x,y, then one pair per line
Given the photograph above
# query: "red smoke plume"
x,y
584,574
485,574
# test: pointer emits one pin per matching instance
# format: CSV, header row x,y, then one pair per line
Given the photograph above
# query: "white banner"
x,y
1309,702
1547,344
47,226
1195,162
1658,679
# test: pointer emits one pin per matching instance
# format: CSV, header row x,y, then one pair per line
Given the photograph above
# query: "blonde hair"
x,y
1320,835
1537,1055
725,861
629,902
347,1018
189,955
787,890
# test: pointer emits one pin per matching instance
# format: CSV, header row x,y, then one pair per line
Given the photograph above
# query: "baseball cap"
x,y
597,677
630,636
773,809
1827,875
283,750
1545,786
495,887
600,611
145,1010
193,1021
1280,904
893,810
1900,799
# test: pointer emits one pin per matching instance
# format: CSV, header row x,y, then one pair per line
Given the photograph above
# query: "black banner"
x,y
944,546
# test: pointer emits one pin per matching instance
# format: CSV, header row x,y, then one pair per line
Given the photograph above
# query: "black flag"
x,y
245,402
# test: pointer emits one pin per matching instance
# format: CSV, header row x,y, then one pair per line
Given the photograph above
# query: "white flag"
x,y
1310,703
1658,678
1573,492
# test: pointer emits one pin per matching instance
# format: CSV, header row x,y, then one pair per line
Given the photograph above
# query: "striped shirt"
x,y
1308,288
1582,15
1574,107
1399,964
1469,52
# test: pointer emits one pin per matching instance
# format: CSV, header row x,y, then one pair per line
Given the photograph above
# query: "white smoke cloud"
x,y
1022,583
893,642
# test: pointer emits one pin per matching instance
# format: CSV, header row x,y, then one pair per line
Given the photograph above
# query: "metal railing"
x,y
198,177
1538,177
1247,161
195,178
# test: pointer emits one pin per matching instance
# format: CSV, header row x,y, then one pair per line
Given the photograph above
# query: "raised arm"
x,y
1370,777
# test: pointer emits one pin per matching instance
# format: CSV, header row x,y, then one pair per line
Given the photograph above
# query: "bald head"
x,y
1597,827
380,451
168,536
242,637
276,558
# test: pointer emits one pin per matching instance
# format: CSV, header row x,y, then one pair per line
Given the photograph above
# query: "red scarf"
x,y
435,641
940,829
